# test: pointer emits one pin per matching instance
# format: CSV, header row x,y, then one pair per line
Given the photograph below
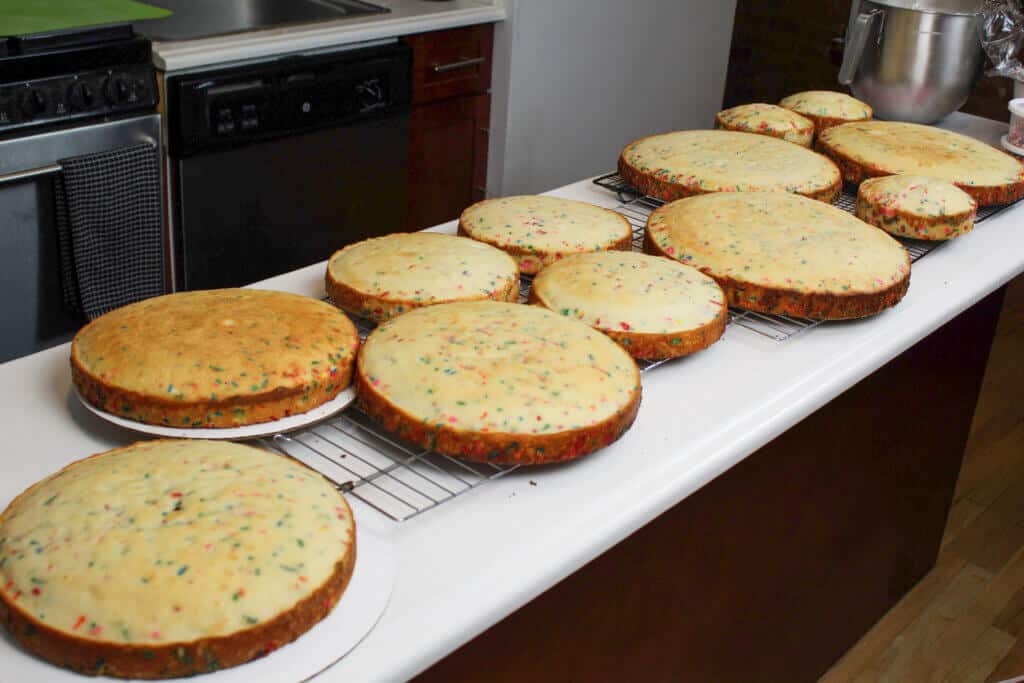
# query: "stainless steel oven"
x,y
78,133
276,164
32,305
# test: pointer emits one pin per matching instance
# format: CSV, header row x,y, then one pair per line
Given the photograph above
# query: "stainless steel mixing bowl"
x,y
912,60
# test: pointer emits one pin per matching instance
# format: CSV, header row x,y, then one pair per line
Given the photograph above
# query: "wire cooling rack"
x,y
401,480
636,207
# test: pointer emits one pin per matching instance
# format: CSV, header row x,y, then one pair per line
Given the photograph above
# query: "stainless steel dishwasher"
x,y
276,164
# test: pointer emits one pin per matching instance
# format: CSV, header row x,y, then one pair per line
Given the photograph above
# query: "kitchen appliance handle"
x,y
856,41
465,63
30,173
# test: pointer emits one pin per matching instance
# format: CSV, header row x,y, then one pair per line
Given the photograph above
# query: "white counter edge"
x,y
212,52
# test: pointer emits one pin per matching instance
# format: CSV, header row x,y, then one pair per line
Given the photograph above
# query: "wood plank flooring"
x,y
964,622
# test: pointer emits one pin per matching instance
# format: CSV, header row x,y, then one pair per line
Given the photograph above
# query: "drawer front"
x,y
451,63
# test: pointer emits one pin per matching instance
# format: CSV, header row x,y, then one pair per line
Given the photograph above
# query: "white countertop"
x,y
468,563
405,17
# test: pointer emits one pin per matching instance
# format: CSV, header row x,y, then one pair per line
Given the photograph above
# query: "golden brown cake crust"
x,y
381,307
96,658
651,346
367,306
946,225
855,171
801,134
531,260
815,305
653,185
283,389
625,244
495,447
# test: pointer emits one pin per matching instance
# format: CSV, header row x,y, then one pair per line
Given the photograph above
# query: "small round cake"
x,y
879,148
784,254
538,230
693,162
172,558
382,277
654,307
218,358
768,119
497,382
827,108
916,206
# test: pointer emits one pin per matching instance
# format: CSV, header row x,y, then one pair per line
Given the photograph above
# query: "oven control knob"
x,y
371,95
117,90
33,103
81,96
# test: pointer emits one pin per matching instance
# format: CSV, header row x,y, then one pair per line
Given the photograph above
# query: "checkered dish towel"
x,y
110,229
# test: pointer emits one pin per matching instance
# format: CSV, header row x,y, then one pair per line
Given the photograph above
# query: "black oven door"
x,y
247,213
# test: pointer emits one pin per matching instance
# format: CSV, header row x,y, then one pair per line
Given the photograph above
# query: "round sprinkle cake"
x,y
219,358
693,162
827,108
538,230
172,558
916,206
784,254
768,119
497,382
382,277
654,307
880,148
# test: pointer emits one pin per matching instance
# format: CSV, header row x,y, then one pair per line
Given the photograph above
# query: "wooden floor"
x,y
964,622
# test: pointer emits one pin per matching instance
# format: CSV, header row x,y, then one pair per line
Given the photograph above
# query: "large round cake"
x,y
218,358
767,119
172,558
880,148
538,230
654,307
780,253
692,162
382,277
916,206
497,382
827,108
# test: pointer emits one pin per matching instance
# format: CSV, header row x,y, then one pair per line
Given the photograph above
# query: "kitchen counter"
x,y
469,563
406,17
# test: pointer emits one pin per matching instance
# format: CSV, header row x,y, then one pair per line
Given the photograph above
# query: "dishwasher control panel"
x,y
288,96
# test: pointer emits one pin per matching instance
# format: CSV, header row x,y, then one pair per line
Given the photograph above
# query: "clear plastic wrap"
x,y
1002,35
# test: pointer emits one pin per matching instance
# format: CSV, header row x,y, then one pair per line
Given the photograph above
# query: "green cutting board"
x,y
21,17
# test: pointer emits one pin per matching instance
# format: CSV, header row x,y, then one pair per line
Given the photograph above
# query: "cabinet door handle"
x,y
463,64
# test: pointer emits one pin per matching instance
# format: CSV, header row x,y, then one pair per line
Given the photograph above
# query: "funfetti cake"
x,y
827,108
916,206
538,230
497,382
693,162
172,558
768,119
218,358
382,277
654,307
880,148
785,254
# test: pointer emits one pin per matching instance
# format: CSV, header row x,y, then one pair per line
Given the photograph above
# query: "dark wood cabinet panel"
x,y
448,135
451,63
440,161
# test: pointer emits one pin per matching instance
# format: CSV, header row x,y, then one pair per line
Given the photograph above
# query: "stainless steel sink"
x,y
203,18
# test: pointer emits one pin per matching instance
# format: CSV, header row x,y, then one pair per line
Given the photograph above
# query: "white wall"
x,y
575,80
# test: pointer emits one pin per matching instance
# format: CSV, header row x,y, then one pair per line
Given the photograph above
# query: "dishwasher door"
x,y
248,213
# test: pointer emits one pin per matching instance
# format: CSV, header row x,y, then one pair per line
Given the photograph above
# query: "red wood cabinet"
x,y
448,134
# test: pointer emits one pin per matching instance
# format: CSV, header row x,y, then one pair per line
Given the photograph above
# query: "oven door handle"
x,y
30,173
